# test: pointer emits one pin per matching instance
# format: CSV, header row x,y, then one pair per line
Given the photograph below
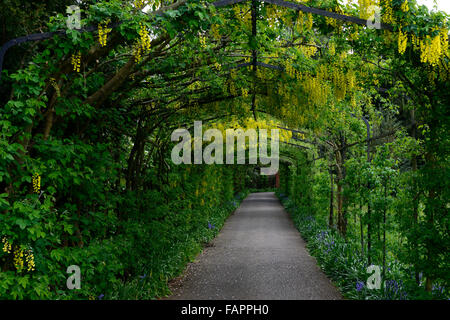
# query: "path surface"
x,y
257,255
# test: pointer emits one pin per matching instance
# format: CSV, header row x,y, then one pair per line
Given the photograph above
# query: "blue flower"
x,y
211,226
359,286
100,297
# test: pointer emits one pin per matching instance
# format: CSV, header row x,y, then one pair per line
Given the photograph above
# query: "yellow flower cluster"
x,y
144,45
194,85
291,72
340,83
202,42
36,183
29,258
387,15
76,61
251,123
330,21
6,245
139,4
299,22
309,21
430,50
415,42
289,69
18,258
366,8
354,35
308,51
402,42
404,6
316,90
103,31
351,80
244,92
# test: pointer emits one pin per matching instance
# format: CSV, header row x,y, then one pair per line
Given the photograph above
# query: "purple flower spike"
x,y
359,286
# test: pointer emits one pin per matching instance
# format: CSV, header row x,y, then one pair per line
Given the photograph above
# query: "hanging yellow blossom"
x,y
202,42
404,7
351,80
76,61
18,258
103,31
6,245
29,258
144,44
430,50
139,4
387,15
366,8
402,41
309,21
36,183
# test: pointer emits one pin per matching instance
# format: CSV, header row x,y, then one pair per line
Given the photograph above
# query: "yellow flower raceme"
x,y
402,42
103,31
144,44
36,183
404,6
29,258
387,15
140,3
202,42
309,21
430,50
6,245
365,8
76,61
18,258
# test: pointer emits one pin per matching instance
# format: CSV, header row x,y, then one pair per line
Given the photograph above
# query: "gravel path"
x,y
257,255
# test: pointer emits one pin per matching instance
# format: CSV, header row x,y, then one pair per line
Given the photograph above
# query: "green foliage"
x,y
85,170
